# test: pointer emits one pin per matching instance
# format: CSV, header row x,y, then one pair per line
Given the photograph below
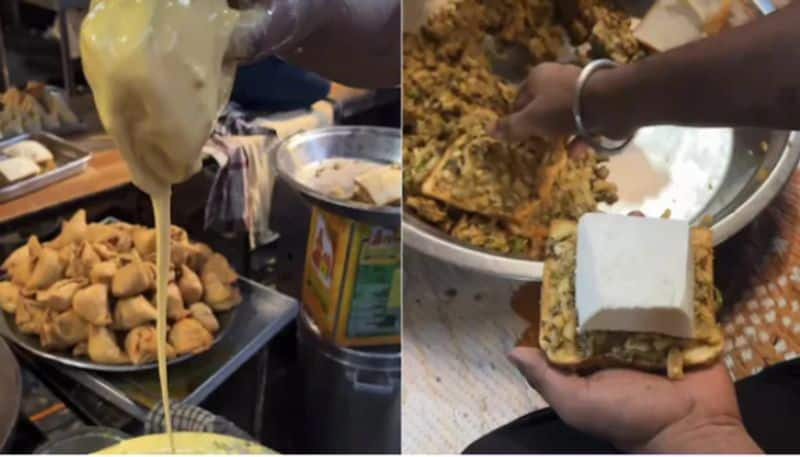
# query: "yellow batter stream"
x,y
157,71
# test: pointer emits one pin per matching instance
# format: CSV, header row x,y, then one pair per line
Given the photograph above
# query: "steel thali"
x,y
31,344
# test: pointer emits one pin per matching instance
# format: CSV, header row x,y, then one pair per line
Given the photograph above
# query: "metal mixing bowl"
x,y
752,180
375,144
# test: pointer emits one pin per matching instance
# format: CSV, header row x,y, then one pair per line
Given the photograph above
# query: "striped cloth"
x,y
241,193
186,418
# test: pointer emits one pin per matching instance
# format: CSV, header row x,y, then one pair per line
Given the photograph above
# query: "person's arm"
x,y
353,42
643,412
359,44
747,76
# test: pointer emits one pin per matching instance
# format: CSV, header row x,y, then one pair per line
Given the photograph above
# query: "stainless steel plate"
x,y
376,144
70,160
9,329
729,174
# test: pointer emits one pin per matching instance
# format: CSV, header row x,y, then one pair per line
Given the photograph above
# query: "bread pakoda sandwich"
x,y
575,342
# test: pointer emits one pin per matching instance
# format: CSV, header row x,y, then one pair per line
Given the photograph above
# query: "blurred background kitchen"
x,y
275,376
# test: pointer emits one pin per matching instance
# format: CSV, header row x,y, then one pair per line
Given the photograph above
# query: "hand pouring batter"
x,y
159,78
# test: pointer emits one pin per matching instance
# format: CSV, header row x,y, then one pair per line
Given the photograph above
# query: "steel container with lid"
x,y
351,396
352,272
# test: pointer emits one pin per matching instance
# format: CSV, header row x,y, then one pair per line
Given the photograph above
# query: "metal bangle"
x,y
597,142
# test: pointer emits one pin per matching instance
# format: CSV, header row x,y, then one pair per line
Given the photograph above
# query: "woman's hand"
x,y
643,412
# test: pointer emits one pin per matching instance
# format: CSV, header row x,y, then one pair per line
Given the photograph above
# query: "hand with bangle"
x,y
748,76
553,102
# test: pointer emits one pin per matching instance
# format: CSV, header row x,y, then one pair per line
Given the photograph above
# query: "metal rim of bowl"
x,y
391,212
429,240
86,364
15,389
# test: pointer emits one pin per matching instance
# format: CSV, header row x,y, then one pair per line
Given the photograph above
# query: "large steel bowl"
x,y
753,178
375,144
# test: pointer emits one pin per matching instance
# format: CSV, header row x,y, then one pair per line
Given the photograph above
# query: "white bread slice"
x,y
557,329
16,169
381,185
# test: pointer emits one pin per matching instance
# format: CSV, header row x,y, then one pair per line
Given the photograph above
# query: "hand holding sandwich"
x,y
643,412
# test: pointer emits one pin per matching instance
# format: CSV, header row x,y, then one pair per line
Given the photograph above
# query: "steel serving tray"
x,y
9,329
70,160
262,314
30,343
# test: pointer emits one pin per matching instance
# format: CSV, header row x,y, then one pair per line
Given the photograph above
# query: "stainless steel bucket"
x,y
351,397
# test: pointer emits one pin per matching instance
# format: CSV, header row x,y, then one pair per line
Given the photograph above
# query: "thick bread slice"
x,y
482,175
557,332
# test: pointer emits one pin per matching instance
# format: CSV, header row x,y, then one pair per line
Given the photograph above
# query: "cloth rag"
x,y
241,193
186,418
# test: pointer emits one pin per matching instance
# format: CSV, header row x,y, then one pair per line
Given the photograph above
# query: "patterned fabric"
x,y
226,211
759,274
187,418
240,196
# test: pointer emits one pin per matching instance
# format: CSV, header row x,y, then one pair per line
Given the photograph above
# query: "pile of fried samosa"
x,y
91,292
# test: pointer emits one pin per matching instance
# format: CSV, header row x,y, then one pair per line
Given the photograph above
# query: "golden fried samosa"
x,y
132,279
110,240
103,347
47,267
64,331
144,240
84,257
141,344
176,309
72,231
19,265
220,296
30,318
180,252
103,272
91,303
133,312
205,315
198,255
105,252
49,340
99,232
218,284
9,296
178,235
190,285
218,265
70,327
59,296
152,269
188,336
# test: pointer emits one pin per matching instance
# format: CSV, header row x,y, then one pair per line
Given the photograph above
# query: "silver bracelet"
x,y
597,142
